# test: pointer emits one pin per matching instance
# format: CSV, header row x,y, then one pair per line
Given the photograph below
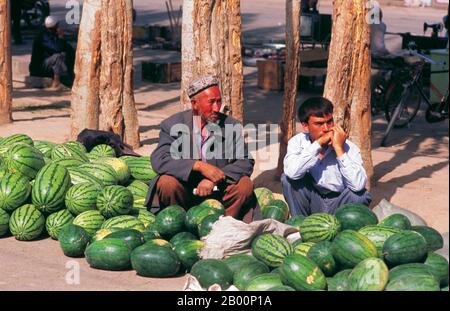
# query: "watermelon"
x,y
124,222
409,269
50,187
188,252
319,227
282,288
355,216
196,214
246,273
301,273
263,195
45,147
238,261
78,176
398,221
274,212
69,162
444,289
214,204
263,282
138,188
114,201
82,197
146,217
68,151
140,168
120,167
405,247
438,267
212,271
100,234
378,235
340,281
159,242
24,159
109,254
26,223
14,191
170,221
4,222
182,236
321,254
302,248
371,274
56,221
90,221
296,221
206,225
271,249
151,233
351,247
132,237
432,236
155,261
102,151
17,139
76,145
105,173
73,240
413,283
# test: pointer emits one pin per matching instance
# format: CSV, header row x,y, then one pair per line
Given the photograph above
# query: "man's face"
x,y
207,104
318,126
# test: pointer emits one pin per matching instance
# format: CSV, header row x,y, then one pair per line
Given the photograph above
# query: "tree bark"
x,y
118,112
348,77
85,90
5,63
293,13
211,45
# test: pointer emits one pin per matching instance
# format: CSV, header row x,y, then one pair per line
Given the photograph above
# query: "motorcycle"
x,y
34,12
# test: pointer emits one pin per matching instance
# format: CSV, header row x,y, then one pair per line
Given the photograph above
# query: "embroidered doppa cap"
x,y
198,85
50,21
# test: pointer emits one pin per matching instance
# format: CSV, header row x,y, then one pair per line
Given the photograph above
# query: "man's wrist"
x,y
197,167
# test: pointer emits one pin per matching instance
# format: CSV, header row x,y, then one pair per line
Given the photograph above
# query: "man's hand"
x,y
209,171
326,139
205,188
338,140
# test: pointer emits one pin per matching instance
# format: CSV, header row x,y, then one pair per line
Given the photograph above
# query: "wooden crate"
x,y
270,75
159,72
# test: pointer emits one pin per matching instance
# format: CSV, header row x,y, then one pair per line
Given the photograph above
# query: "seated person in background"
x,y
202,160
52,56
322,168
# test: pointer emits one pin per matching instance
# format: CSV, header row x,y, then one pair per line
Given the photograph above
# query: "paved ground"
x,y
412,172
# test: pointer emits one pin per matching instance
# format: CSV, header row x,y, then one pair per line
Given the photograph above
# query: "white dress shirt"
x,y
331,173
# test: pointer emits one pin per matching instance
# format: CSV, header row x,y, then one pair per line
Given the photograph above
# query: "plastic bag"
x,y
386,208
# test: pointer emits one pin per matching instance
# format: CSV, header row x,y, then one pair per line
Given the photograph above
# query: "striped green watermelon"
x,y
45,147
321,254
351,247
100,234
102,151
355,216
280,204
50,187
296,221
170,221
124,222
409,269
274,212
24,159
14,191
339,282
212,271
371,274
73,240
103,172
188,252
264,282
414,283
140,167
238,261
69,162
246,273
398,221
319,227
68,151
109,254
82,197
138,188
263,195
206,225
17,139
302,248
145,216
132,237
301,273
78,176
438,267
155,261
271,249
434,239
405,247
378,235
196,214
26,223
121,168
76,145
4,222
182,236
90,221
214,204
114,201
56,221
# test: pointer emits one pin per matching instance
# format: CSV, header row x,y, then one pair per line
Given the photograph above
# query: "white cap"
x,y
51,21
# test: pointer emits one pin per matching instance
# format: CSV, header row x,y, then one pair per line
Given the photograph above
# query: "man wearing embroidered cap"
x,y
52,56
202,154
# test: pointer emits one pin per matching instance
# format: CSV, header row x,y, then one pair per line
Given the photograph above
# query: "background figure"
x,y
16,15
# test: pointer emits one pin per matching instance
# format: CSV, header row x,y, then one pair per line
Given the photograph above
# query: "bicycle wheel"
x,y
411,103
395,115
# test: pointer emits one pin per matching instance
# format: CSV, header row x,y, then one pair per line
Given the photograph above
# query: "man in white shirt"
x,y
322,168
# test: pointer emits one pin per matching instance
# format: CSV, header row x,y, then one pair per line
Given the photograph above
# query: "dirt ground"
x,y
413,172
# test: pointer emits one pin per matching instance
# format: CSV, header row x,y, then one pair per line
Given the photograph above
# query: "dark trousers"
x,y
238,198
16,15
56,64
304,199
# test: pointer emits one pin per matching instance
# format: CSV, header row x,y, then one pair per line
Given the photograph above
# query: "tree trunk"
x,y
348,78
5,63
85,90
118,111
293,12
211,45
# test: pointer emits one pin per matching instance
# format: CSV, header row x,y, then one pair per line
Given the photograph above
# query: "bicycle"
x,y
401,110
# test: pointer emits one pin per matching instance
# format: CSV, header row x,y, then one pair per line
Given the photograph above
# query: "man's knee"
x,y
168,184
360,197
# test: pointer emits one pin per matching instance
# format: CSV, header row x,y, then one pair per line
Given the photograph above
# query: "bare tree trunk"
x,y
211,45
85,90
348,77
5,63
293,13
118,111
